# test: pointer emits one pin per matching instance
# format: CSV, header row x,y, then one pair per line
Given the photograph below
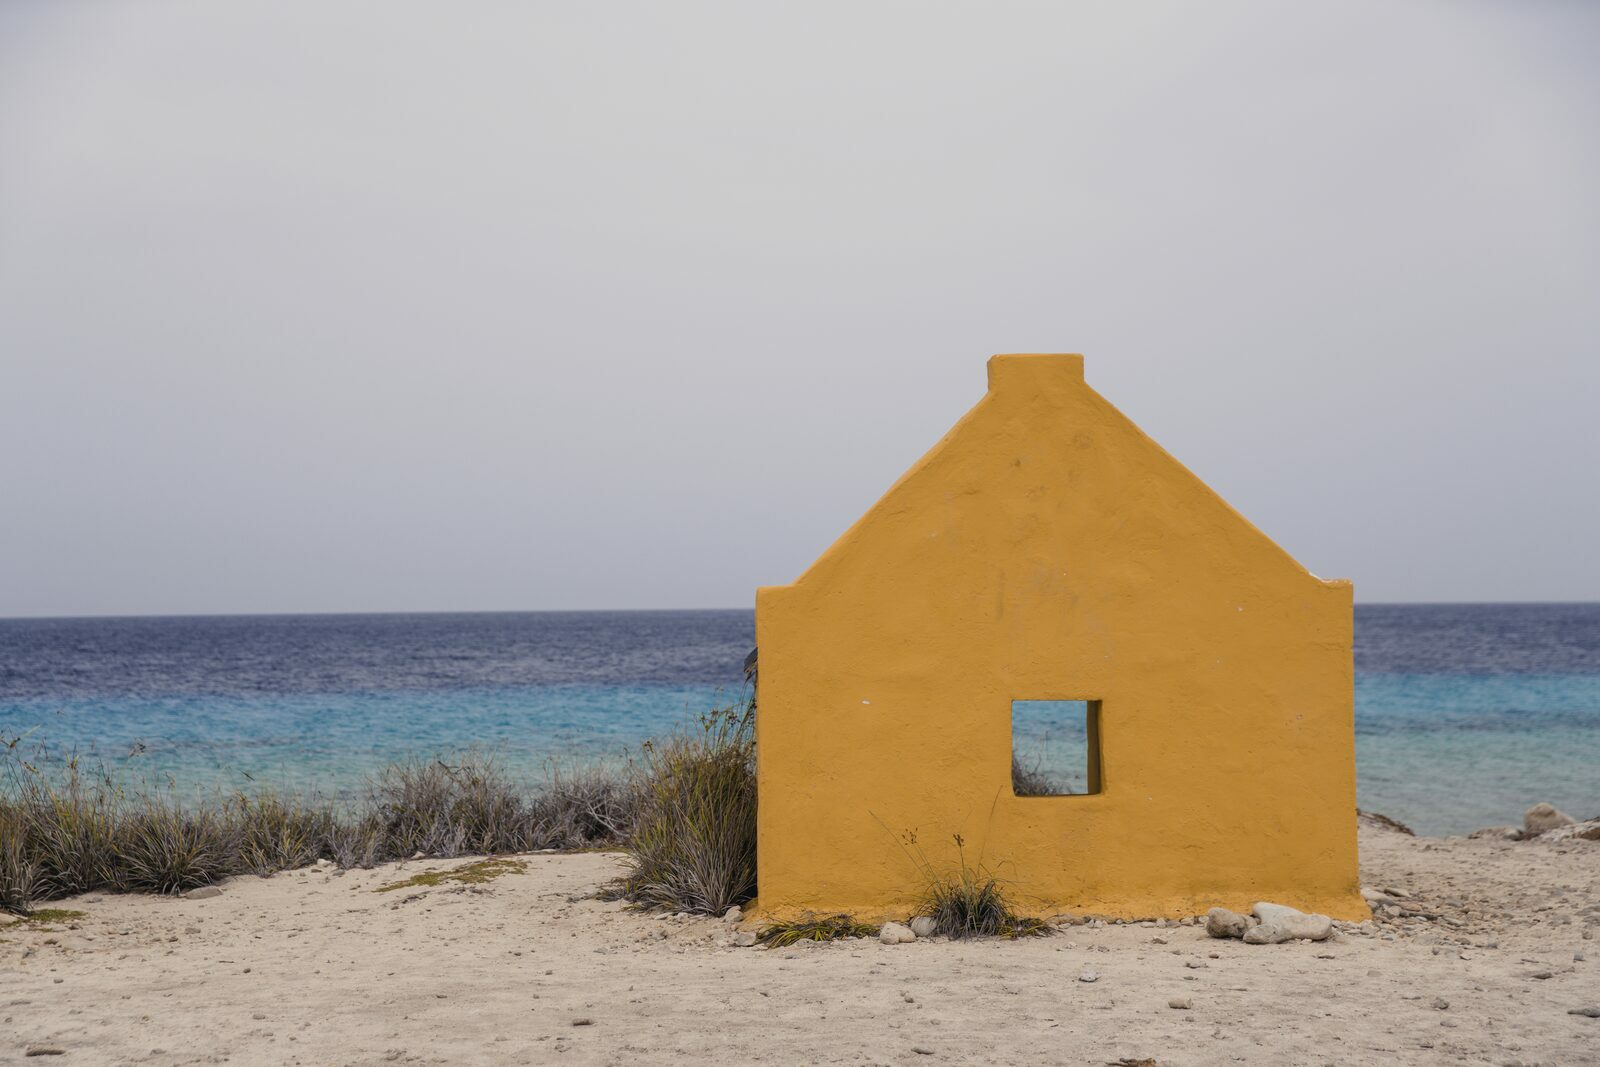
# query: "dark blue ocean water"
x,y
1465,714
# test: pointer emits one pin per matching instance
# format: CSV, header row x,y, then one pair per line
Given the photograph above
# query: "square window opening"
x,y
1055,747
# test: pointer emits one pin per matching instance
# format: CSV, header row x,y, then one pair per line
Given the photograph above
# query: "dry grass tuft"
x,y
1030,780
969,901
812,928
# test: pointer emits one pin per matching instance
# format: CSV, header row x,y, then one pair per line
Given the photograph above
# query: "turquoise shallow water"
x,y
329,741
1449,753
1465,715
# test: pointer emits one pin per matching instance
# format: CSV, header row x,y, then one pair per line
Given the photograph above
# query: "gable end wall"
x,y
1047,549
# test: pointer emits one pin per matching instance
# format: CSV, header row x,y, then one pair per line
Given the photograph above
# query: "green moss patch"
x,y
467,874
46,916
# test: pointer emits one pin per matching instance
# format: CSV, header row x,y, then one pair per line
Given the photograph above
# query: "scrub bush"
x,y
693,842
19,873
69,830
162,848
280,835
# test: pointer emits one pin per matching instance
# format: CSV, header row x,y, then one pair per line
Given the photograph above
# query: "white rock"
x,y
205,892
1281,923
1181,1003
1588,830
1220,922
744,939
1542,817
1089,976
734,914
924,926
895,934
1266,912
1498,833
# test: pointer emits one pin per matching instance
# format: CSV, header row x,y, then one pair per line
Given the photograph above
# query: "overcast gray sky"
x,y
394,306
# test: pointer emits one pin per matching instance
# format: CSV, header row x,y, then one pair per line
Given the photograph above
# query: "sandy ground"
x,y
311,967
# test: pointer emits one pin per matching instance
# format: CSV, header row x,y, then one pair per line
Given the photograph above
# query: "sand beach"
x,y
1491,949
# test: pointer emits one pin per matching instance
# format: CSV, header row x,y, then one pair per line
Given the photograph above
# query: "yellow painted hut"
x,y
1047,550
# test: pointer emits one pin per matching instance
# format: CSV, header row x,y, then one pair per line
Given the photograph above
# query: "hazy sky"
x,y
392,306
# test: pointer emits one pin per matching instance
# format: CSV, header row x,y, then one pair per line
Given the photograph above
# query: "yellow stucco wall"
x,y
1047,549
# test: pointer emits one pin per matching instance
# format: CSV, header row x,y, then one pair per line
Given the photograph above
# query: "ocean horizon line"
x,y
449,613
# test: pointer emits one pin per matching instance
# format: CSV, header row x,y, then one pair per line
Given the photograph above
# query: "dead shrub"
x,y
584,809
438,809
1030,780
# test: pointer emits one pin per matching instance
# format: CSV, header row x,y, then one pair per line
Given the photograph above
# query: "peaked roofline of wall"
x,y
1013,370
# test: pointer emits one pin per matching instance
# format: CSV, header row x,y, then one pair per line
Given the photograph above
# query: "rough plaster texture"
x,y
1047,549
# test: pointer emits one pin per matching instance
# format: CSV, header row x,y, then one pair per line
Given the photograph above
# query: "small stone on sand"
x,y
895,934
1220,922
